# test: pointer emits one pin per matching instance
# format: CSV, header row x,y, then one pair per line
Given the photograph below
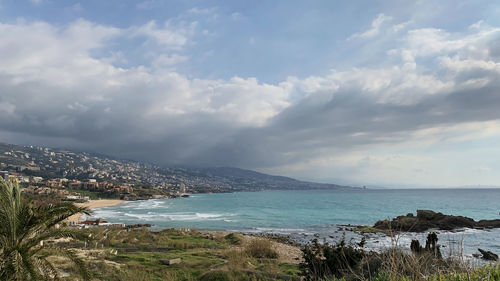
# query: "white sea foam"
x,y
108,214
148,204
152,216
196,216
274,230
139,216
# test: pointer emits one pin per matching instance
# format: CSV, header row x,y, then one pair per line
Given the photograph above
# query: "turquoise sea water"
x,y
304,213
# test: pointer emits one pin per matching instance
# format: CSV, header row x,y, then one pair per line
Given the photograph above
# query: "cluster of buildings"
x,y
107,187
62,187
33,163
19,178
46,162
65,188
55,188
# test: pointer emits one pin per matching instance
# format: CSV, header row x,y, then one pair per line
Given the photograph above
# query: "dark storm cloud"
x,y
164,117
346,121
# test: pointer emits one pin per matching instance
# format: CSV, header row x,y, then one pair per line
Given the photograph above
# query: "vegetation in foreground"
x,y
350,262
141,254
25,227
175,254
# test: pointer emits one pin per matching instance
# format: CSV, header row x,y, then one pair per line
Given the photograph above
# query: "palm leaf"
x,y
24,227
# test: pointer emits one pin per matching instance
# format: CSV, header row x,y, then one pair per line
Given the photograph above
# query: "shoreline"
x,y
101,203
94,204
330,233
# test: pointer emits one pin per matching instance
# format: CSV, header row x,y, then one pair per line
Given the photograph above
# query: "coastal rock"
x,y
431,246
427,219
488,224
139,225
488,255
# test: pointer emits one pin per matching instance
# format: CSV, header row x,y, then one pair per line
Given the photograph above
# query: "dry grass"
x,y
237,259
261,249
394,264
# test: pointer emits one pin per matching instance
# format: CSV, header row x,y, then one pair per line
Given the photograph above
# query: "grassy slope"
x,y
203,254
136,254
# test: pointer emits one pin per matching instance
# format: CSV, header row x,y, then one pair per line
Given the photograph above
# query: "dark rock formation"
x,y
427,219
431,246
488,255
415,247
139,225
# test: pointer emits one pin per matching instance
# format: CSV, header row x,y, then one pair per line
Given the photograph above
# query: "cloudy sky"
x,y
395,93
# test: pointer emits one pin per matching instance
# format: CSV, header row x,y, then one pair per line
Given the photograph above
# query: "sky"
x,y
377,93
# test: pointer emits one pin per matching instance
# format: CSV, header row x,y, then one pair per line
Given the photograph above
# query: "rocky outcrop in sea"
x,y
427,219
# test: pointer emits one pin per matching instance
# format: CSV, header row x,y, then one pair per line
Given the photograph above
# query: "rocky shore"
x,y
427,219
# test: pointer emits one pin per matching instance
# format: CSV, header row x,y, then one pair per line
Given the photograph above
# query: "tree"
x,y
24,227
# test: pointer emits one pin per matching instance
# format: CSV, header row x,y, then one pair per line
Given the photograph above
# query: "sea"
x,y
327,215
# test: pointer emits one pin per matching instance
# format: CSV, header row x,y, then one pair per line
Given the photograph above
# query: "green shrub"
x,y
261,248
236,259
324,261
234,238
351,263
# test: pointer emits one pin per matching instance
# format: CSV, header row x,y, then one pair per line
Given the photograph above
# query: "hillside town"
x,y
72,175
79,176
82,191
46,171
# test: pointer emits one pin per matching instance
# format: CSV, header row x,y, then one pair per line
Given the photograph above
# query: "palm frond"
x,y
47,268
29,265
22,229
80,265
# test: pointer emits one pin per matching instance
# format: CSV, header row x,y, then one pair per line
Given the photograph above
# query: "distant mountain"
x,y
244,177
53,163
237,173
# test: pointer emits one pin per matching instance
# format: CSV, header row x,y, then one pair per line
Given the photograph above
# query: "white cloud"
x,y
209,13
477,25
400,26
374,29
53,86
164,60
202,11
166,35
61,61
78,107
244,101
432,41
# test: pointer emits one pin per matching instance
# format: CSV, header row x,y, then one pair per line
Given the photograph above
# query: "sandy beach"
x,y
93,204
